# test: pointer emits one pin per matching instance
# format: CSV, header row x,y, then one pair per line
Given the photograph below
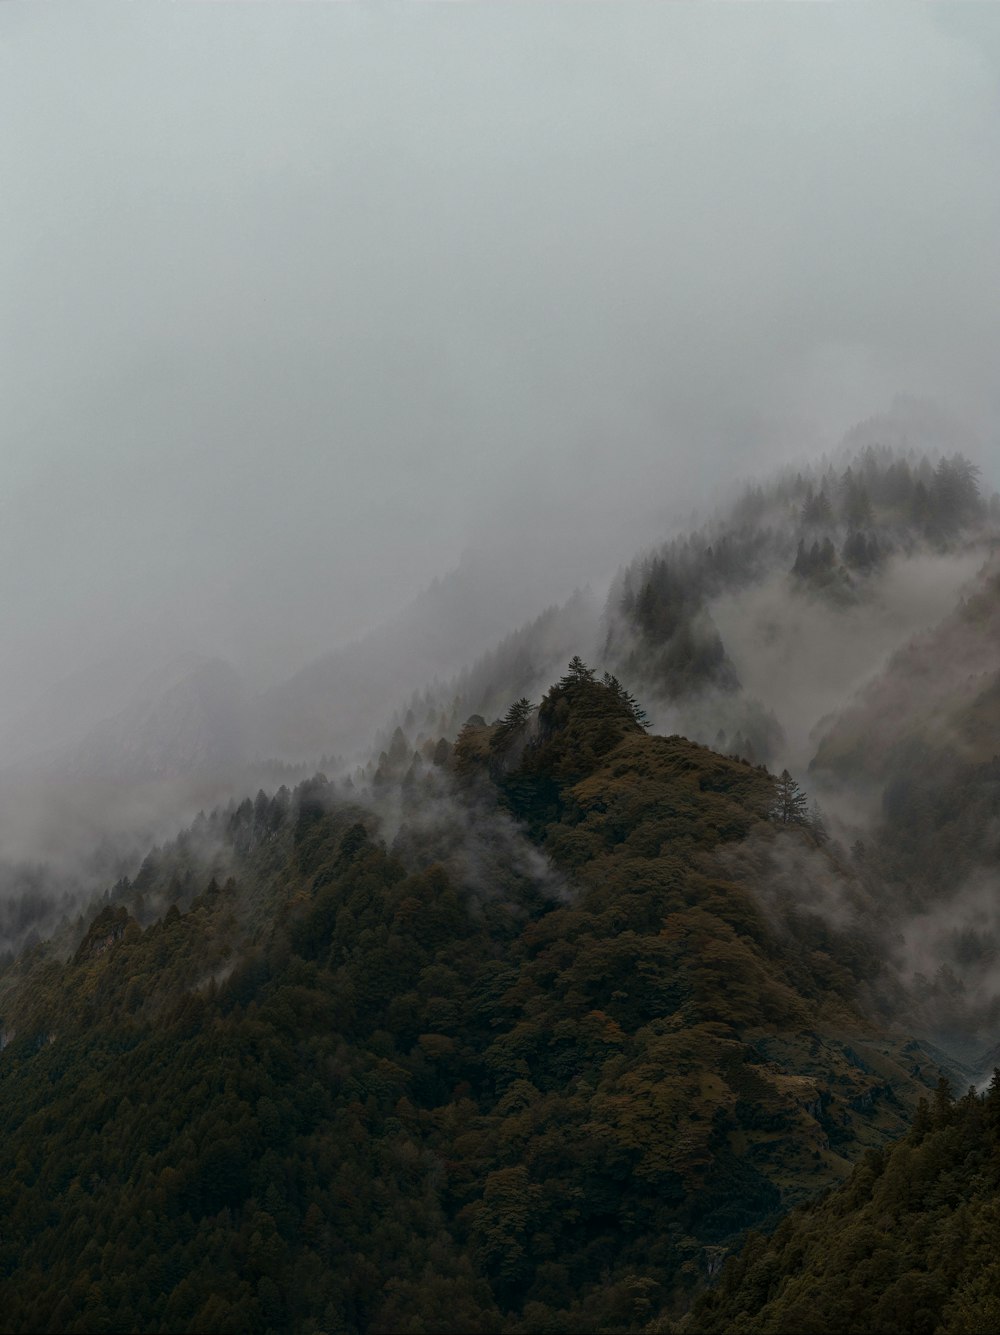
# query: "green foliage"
x,y
830,531
504,738
316,1085
790,805
927,732
908,1244
628,699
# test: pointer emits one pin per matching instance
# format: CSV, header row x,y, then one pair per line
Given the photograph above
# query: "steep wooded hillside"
x,y
907,1245
920,745
491,1076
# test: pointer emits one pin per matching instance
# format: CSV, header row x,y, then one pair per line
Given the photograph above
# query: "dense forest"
x,y
536,1063
539,1019
831,532
828,535
500,672
907,1244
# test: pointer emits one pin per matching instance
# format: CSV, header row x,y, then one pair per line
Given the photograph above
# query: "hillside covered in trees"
x,y
500,1044
522,1021
908,1244
731,632
829,536
812,556
500,669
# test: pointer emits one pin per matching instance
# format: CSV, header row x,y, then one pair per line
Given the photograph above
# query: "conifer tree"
x,y
791,806
993,1101
817,511
817,824
627,699
442,751
511,724
922,1122
577,672
857,509
399,748
801,566
943,1102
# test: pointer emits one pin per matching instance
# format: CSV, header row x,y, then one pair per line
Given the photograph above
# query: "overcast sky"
x,y
296,302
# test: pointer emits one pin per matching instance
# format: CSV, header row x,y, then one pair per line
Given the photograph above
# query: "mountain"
x,y
522,1016
150,713
337,701
194,723
744,634
939,693
907,1244
115,758
747,632
738,634
917,750
49,727
531,1073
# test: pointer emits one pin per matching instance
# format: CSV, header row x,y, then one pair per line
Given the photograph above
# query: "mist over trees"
x,y
575,987
509,1020
499,794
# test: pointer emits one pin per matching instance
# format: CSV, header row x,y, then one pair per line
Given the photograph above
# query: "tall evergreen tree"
x,y
627,699
577,672
790,806
856,507
511,724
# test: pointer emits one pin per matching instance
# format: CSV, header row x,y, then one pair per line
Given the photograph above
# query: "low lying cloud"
x,y
803,657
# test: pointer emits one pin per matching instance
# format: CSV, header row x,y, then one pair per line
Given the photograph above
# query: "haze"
x,y
301,303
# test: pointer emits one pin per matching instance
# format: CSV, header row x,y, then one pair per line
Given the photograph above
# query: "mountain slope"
x,y
907,1245
938,693
920,746
337,701
527,1028
473,1082
710,625
194,725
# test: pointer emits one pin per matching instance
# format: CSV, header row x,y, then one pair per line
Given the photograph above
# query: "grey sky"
x,y
298,301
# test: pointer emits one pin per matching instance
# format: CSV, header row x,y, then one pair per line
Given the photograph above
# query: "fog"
x,y
339,342
302,302
803,660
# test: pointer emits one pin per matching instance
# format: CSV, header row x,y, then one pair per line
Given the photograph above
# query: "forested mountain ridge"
x,y
857,555
937,692
829,534
907,1245
831,537
723,632
921,744
525,1023
477,1079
